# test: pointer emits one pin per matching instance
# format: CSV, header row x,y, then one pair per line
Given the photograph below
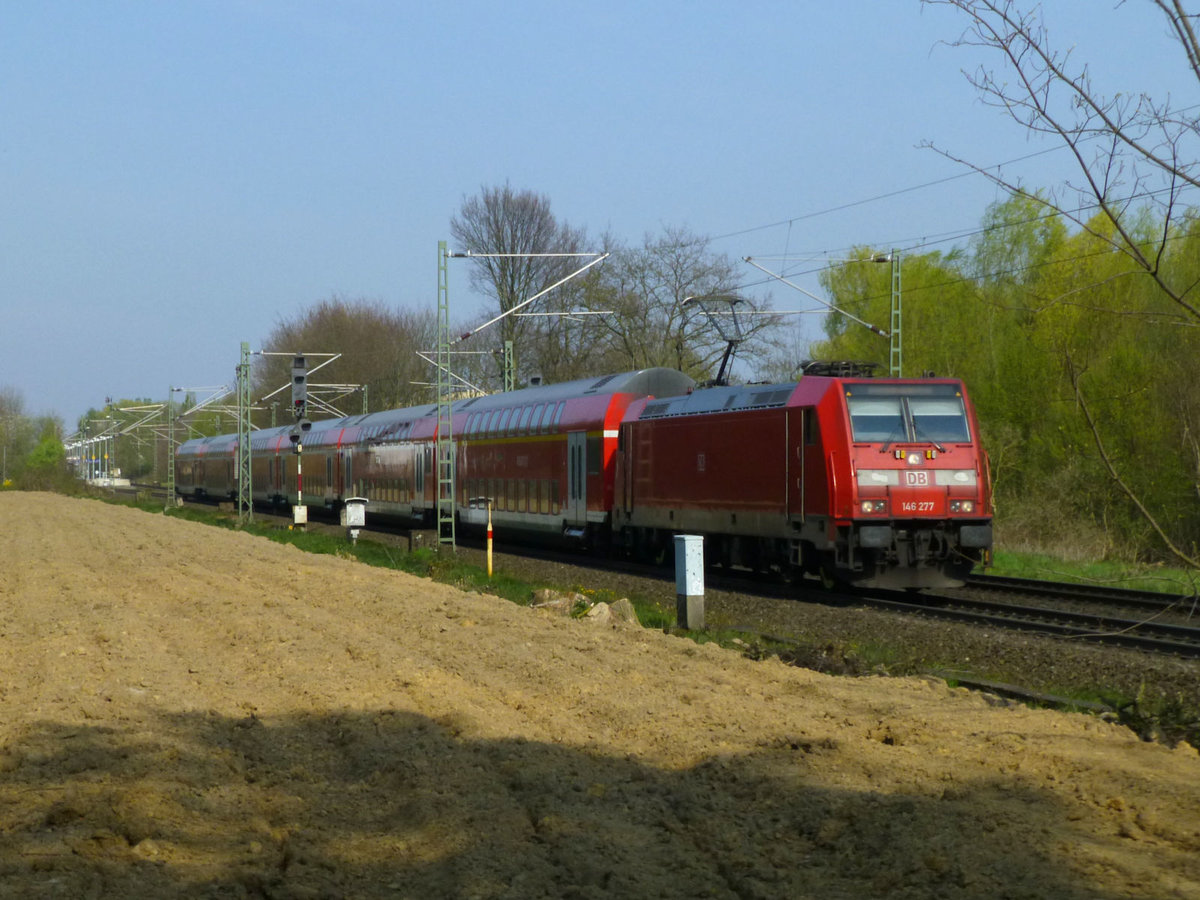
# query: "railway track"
x,y
1088,595
1144,633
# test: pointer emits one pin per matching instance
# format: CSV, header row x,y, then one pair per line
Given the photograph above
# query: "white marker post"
x,y
689,581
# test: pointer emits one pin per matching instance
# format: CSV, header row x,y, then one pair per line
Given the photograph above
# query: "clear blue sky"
x,y
177,177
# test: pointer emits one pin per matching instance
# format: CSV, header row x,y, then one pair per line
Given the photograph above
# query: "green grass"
x,y
1108,574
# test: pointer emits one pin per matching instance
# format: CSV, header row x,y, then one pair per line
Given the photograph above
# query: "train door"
x,y
794,437
625,449
576,478
815,496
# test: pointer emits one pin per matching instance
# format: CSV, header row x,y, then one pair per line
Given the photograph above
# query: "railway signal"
x,y
296,435
299,386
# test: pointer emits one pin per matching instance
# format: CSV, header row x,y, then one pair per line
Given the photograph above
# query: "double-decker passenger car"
x,y
544,455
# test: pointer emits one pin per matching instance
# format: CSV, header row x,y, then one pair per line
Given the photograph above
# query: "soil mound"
x,y
191,712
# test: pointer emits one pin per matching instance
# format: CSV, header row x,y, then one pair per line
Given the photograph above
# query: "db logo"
x,y
916,479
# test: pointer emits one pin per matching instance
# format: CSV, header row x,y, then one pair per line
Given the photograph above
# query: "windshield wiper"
x,y
888,443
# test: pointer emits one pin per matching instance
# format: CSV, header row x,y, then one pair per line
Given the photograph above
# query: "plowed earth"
x,y
191,712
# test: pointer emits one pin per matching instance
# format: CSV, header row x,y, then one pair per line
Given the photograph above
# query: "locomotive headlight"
x,y
962,506
873,507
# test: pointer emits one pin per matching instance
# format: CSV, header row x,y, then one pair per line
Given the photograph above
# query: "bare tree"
x,y
1132,152
378,345
649,325
500,220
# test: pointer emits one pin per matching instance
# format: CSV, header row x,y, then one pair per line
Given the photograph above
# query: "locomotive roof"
x,y
716,399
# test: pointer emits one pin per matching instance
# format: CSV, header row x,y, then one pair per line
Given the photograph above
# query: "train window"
x,y
535,421
554,507
525,414
502,428
915,412
595,456
558,411
936,419
874,419
812,428
544,496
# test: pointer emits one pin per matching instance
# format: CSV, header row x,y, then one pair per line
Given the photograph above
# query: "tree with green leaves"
x,y
1136,157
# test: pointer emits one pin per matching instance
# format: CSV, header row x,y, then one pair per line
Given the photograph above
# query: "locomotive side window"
x,y
812,428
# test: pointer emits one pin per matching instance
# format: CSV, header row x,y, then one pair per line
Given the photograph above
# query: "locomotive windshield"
x,y
925,413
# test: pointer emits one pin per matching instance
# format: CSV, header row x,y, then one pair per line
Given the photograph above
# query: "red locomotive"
x,y
871,481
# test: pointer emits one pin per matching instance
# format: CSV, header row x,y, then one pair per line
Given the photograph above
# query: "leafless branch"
x,y
1177,552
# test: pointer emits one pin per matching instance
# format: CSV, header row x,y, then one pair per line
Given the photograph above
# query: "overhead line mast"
x,y
444,449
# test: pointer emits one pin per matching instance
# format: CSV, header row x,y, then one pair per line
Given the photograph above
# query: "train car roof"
x,y
659,382
209,444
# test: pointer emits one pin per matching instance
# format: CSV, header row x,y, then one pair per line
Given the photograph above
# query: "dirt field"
x,y
191,712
